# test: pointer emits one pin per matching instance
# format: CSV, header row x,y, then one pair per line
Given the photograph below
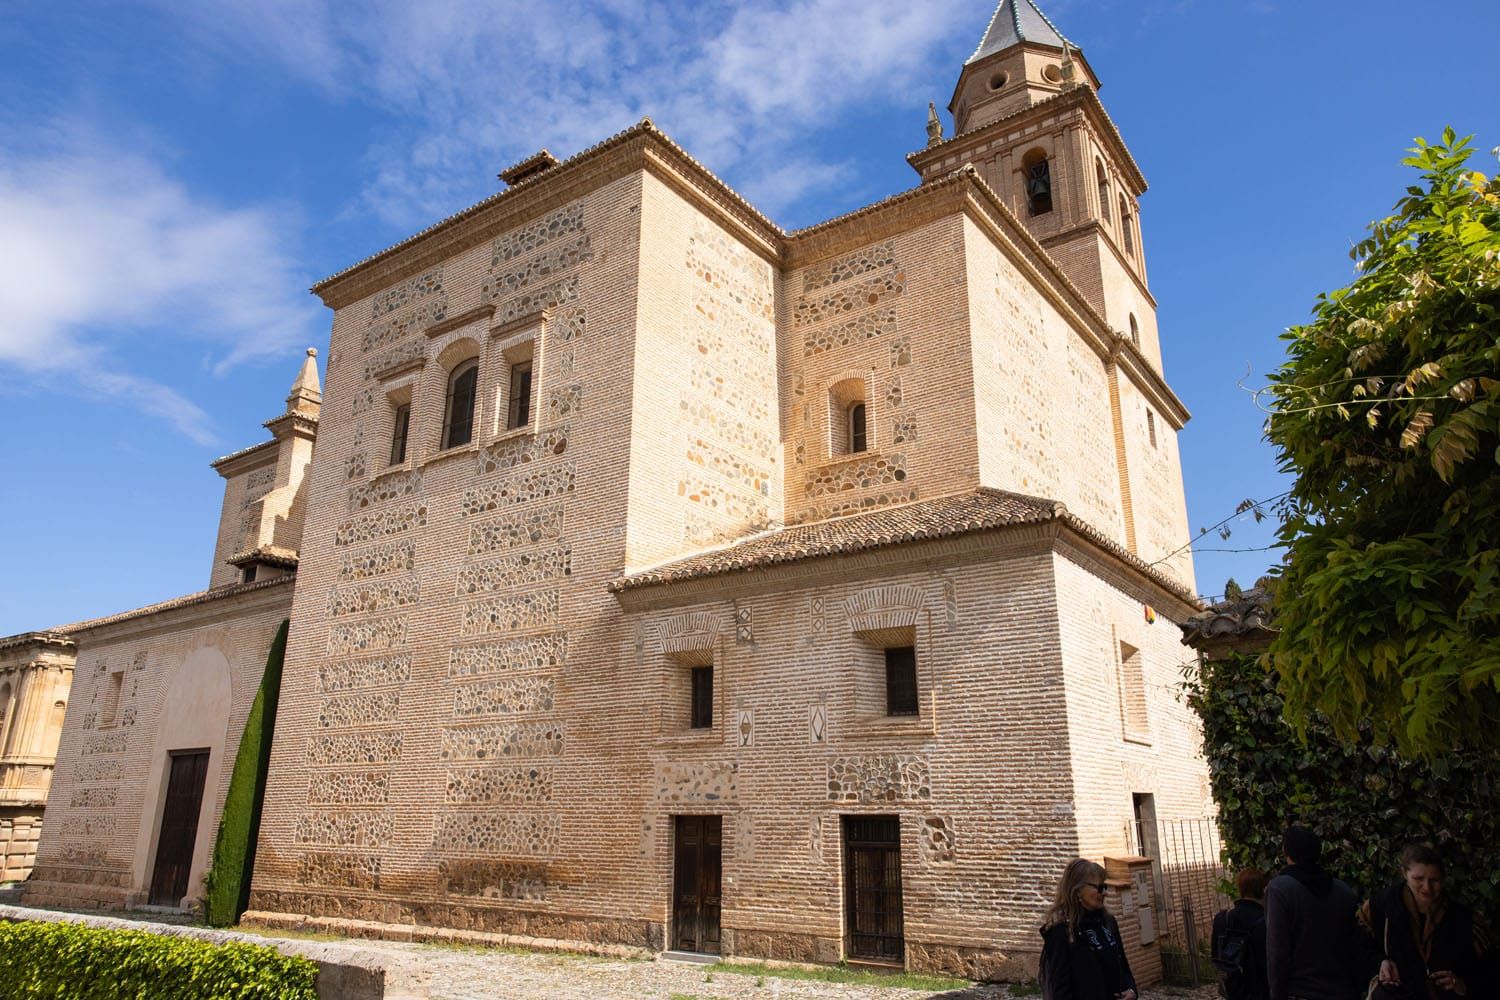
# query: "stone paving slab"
x,y
419,971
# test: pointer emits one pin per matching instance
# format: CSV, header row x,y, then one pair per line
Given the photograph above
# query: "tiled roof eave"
x,y
48,637
186,601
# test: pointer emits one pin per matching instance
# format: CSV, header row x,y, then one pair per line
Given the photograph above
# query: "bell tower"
x,y
1027,115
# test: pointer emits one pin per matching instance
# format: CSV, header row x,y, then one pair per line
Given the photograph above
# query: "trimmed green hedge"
x,y
44,960
228,879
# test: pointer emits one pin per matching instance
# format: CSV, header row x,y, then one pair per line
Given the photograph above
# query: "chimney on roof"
x,y
536,163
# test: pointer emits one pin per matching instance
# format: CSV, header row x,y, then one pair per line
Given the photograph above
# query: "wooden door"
x,y
872,888
179,826
695,893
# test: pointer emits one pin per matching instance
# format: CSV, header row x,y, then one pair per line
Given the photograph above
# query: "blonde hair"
x,y
1066,907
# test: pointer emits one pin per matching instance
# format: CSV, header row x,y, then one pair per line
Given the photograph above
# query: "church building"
x,y
669,579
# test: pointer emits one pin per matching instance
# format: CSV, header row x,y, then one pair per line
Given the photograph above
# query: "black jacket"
x,y
1249,918
1311,946
1452,945
1090,967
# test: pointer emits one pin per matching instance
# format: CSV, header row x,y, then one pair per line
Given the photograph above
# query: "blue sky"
x,y
174,175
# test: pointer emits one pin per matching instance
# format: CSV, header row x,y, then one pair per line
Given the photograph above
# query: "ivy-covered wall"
x,y
1365,801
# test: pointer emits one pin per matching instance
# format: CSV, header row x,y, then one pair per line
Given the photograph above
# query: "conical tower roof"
x,y
1018,21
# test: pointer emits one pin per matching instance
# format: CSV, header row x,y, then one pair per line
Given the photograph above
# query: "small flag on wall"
x,y
1150,614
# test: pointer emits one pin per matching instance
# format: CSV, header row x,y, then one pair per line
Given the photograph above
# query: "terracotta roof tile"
x,y
187,600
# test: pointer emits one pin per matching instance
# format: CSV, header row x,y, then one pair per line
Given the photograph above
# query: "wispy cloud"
x,y
472,85
101,248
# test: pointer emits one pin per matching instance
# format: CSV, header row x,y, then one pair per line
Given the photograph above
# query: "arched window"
x,y
458,410
1135,331
858,439
1103,180
1038,177
1126,225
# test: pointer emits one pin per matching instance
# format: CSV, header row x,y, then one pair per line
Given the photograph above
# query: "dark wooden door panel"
x,y
179,827
696,884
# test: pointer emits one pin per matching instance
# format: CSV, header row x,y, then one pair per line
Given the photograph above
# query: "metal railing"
x,y
1188,875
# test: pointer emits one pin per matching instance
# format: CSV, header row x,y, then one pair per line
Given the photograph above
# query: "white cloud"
x,y
99,240
473,85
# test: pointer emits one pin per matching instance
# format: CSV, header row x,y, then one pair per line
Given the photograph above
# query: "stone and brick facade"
x,y
719,478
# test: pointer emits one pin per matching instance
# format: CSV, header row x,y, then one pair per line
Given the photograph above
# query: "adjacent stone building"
x,y
36,673
671,579
161,695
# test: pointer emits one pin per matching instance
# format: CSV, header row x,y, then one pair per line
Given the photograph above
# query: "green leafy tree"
x,y
1388,414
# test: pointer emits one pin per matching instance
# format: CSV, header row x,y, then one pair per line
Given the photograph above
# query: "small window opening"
x,y
247,575
1135,331
858,439
1151,427
1126,223
458,419
1132,691
998,80
518,404
901,680
401,423
703,698
1103,181
1038,175
111,708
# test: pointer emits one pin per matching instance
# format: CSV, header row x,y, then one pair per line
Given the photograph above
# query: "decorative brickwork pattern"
x,y
111,743
533,652
486,786
94,798
391,330
565,402
722,500
392,486
520,242
854,331
372,595
506,455
409,290
90,827
544,524
351,675
936,840
892,606
691,632
493,879
372,708
856,474
531,302
523,834
900,352
539,484
861,261
569,324
713,383
539,268
354,466
846,505
339,871
366,637
677,783
506,614
727,463
706,418
355,748
363,401
870,292
516,570
733,273
879,778
512,696
378,524
355,788
904,428
523,739
721,331
98,769
393,557
398,357
350,829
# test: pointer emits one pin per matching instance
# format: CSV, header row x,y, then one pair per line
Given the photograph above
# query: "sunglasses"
x,y
1099,887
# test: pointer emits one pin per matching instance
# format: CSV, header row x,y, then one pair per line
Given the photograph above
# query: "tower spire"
x,y
306,396
1014,22
934,125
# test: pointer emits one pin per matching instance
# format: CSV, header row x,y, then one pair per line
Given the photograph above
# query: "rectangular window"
x,y
1133,693
703,698
858,440
402,423
1151,427
518,408
901,680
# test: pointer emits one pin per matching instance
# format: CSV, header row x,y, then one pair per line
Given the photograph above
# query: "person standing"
x,y
1310,928
1083,957
1425,938
1239,940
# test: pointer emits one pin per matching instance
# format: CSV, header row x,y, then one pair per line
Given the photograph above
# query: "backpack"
x,y
1229,947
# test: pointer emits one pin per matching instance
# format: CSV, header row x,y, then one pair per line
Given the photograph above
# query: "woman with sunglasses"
x,y
1083,957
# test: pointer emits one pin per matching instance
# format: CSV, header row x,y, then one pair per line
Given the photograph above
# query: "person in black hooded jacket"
x,y
1311,948
1083,956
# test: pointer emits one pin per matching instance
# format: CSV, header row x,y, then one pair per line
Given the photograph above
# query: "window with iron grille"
x,y
400,424
901,680
703,698
458,413
873,922
518,401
